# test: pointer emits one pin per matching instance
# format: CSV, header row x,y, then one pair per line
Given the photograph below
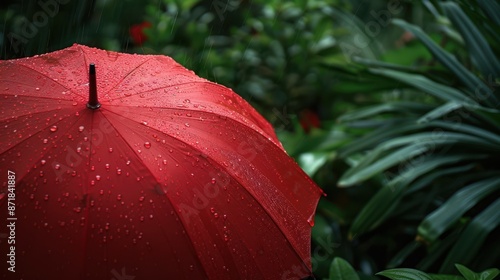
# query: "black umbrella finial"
x,y
93,102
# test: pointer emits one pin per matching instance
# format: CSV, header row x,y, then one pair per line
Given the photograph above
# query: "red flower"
x,y
309,119
137,32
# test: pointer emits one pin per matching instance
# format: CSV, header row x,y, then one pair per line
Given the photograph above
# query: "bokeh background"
x,y
392,107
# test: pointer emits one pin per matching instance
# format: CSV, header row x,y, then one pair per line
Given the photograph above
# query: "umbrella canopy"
x,y
160,175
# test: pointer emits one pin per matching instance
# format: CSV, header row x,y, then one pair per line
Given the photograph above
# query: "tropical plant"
x,y
342,270
432,152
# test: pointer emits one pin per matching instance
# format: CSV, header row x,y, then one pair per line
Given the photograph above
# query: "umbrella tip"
x,y
93,102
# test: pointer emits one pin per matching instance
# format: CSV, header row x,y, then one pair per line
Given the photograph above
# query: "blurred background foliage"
x,y
392,107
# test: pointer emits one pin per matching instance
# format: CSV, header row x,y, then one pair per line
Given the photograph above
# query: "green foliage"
x,y
443,123
413,274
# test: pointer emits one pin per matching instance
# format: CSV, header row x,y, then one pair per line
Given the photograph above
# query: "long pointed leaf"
x,y
481,53
445,216
405,274
387,198
438,90
472,82
342,270
473,237
413,145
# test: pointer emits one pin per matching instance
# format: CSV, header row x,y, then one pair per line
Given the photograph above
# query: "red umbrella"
x,y
161,175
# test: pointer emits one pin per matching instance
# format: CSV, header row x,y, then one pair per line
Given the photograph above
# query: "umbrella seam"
x,y
171,203
49,78
234,177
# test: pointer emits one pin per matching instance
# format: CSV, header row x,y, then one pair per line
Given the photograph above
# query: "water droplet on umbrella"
x,y
46,197
212,210
110,150
53,128
81,128
41,173
98,177
186,124
45,141
37,89
213,181
118,171
119,197
77,209
107,166
128,162
165,161
57,166
147,145
43,162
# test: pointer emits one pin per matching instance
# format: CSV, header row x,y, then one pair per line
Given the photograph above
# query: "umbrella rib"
x,y
128,74
146,91
51,79
226,170
176,213
20,142
28,114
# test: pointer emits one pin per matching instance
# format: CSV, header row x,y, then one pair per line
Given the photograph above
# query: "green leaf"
x,y
374,138
492,9
438,90
479,49
489,274
472,82
467,273
442,218
388,197
311,162
396,107
404,274
414,145
342,270
473,237
445,277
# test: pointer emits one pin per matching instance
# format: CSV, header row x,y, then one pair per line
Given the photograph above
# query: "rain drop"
x,y
98,177
165,161
147,145
57,166
43,162
53,128
45,141
118,171
81,128
46,197
110,150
